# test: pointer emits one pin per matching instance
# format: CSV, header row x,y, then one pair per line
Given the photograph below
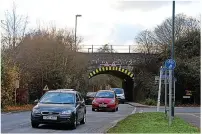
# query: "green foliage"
x,y
9,73
188,63
149,101
152,122
144,81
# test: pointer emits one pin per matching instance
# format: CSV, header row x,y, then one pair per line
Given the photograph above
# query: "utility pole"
x,y
172,53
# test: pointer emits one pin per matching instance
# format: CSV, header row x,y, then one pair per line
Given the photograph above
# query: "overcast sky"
x,y
103,21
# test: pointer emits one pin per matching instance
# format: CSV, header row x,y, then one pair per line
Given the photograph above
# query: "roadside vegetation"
x,y
152,123
150,102
15,108
187,56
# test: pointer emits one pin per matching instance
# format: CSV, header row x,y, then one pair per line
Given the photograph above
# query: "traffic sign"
x,y
170,64
46,88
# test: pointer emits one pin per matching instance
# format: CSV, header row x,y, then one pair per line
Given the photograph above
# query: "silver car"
x,y
120,94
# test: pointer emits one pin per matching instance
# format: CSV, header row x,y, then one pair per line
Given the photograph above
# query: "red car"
x,y
105,100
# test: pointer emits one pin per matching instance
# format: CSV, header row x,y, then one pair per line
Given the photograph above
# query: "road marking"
x,y
133,112
193,114
115,121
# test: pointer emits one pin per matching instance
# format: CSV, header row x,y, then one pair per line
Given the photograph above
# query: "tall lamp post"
x,y
78,15
172,54
89,49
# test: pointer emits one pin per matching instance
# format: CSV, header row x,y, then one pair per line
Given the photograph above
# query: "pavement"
x,y
96,122
191,115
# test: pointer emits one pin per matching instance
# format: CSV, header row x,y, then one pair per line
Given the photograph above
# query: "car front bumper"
x,y
60,120
109,107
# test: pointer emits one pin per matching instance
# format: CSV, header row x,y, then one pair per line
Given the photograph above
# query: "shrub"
x,y
150,102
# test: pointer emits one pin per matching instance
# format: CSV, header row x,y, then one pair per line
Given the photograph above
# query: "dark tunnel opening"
x,y
126,76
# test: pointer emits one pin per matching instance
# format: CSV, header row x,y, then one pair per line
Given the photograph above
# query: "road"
x,y
189,114
96,122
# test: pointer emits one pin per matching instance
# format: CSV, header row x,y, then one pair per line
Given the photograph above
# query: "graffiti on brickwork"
x,y
114,62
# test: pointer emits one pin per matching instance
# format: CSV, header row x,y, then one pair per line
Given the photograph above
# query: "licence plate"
x,y
50,117
102,105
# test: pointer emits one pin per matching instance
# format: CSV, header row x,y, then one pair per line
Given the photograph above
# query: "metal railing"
x,y
109,48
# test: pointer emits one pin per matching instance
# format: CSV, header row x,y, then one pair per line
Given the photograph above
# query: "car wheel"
x,y
117,108
83,121
93,109
35,125
74,124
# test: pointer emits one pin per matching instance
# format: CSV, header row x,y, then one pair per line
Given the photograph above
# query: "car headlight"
x,y
66,112
122,97
112,102
35,111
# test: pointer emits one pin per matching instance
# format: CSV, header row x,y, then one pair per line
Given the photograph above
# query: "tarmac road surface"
x,y
96,122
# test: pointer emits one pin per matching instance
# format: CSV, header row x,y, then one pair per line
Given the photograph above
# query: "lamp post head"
x,y
78,15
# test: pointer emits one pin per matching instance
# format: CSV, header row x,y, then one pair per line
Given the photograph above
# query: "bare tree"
x,y
159,40
163,32
106,49
47,57
145,41
14,28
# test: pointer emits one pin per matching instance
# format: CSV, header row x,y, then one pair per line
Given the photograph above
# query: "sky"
x,y
103,21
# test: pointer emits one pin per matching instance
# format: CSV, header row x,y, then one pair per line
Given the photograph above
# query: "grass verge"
x,y
152,122
17,108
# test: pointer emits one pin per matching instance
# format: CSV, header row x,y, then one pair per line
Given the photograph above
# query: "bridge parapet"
x,y
118,59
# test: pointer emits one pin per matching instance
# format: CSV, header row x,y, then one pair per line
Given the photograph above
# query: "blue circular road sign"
x,y
170,64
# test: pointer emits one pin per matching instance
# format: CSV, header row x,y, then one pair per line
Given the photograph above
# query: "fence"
x,y
109,48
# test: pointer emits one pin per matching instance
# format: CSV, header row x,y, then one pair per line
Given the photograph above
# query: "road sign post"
x,y
170,97
165,82
159,92
170,65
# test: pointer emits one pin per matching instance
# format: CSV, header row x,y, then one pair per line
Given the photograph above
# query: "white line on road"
x,y
133,112
190,114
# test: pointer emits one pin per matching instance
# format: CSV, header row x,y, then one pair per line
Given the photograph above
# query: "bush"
x,y
150,102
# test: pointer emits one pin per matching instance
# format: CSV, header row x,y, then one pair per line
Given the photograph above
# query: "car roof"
x,y
118,88
64,90
105,91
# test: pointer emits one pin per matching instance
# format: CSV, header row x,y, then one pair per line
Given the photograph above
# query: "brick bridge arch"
x,y
122,61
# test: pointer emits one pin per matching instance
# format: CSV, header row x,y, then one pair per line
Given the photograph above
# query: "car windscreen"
x,y
104,95
90,94
58,98
118,90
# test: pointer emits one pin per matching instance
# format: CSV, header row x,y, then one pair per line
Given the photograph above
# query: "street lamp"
x,y
89,49
78,15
